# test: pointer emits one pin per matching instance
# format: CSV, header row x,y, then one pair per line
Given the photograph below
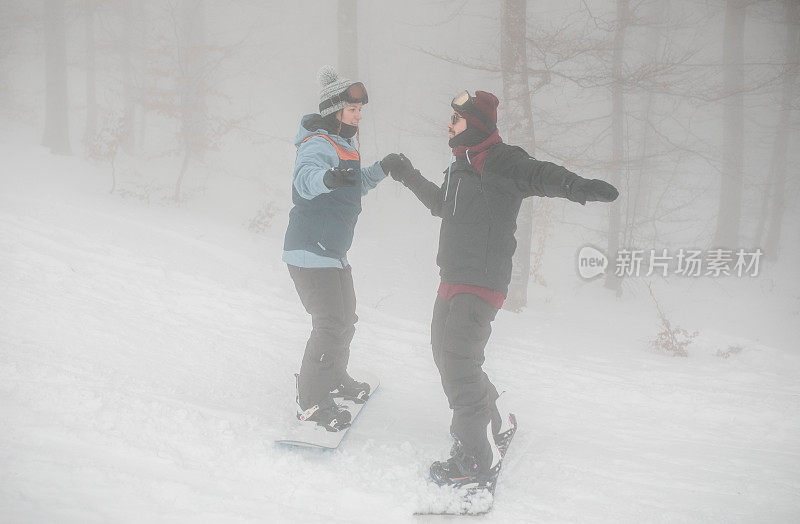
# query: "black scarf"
x,y
332,125
468,137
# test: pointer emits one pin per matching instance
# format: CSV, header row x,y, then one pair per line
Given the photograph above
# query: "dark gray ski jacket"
x,y
479,211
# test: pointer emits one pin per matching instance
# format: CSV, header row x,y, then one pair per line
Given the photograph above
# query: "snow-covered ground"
x,y
147,353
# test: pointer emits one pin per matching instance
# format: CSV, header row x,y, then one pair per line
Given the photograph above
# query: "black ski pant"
x,y
328,296
460,330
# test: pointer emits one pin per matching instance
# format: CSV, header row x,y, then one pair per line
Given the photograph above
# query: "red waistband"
x,y
448,290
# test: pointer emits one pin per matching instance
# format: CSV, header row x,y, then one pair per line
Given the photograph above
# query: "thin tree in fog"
x,y
520,131
660,75
126,46
179,77
109,125
646,55
89,10
605,70
729,216
5,45
774,204
678,84
347,29
192,85
18,19
618,160
56,123
641,186
143,81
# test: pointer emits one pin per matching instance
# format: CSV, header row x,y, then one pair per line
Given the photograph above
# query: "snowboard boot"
x,y
463,469
503,431
325,413
351,389
457,471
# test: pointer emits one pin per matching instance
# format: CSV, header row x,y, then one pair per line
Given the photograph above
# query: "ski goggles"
x,y
355,94
463,103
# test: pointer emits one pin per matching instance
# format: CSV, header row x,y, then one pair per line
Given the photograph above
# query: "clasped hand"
x,y
398,166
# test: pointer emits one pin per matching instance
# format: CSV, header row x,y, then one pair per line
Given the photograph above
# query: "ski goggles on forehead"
x,y
355,94
462,103
460,100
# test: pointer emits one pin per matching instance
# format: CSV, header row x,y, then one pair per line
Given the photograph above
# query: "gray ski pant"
x,y
328,296
460,330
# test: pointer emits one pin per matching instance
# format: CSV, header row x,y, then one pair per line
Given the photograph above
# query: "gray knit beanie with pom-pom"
x,y
331,84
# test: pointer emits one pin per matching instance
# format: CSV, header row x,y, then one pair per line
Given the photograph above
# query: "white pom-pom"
x,y
327,75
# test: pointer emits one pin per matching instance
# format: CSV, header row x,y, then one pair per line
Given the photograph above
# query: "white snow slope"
x,y
146,361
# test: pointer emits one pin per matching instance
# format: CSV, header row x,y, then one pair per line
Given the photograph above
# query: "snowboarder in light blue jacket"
x,y
327,185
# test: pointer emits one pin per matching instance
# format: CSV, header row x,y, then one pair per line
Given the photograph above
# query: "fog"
x,y
245,72
182,115
134,73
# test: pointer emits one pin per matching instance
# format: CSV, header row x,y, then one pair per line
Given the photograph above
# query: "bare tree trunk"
x,y
113,174
612,281
640,193
187,156
777,177
730,205
128,141
638,198
193,106
141,17
91,93
519,118
348,38
56,123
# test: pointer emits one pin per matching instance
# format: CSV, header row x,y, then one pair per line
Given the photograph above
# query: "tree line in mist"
x,y
646,92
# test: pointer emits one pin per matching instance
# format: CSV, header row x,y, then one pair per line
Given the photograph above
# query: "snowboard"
x,y
310,435
473,500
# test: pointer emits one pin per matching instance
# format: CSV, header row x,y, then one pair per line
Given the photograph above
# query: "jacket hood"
x,y
309,125
314,124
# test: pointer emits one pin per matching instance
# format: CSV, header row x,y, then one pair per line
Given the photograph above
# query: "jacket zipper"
x,y
455,204
489,235
447,186
486,253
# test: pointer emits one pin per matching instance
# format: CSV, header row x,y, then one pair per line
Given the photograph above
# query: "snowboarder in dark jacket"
x,y
478,203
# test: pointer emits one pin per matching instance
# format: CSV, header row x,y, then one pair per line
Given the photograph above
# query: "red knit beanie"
x,y
486,103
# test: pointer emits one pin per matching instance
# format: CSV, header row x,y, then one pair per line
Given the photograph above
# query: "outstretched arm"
x,y
401,169
426,191
371,176
532,177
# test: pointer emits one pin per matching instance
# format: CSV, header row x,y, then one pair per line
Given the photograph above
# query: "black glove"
x,y
339,177
398,166
583,190
391,162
